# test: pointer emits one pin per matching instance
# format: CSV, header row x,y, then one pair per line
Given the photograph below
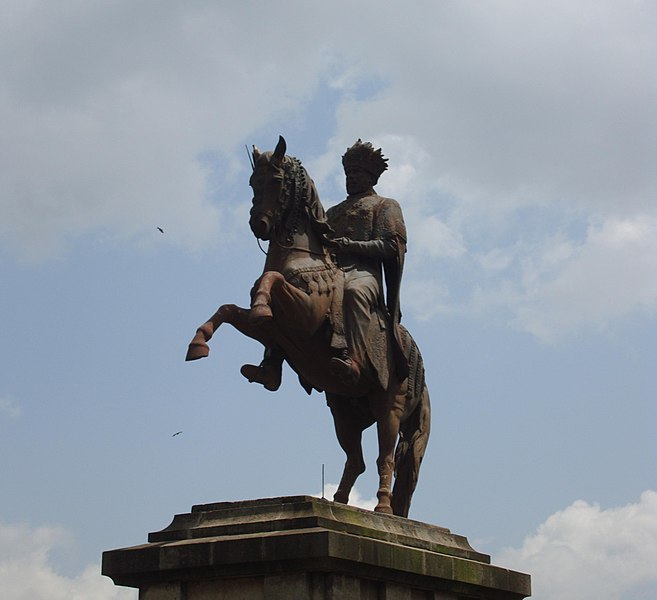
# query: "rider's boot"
x,y
263,374
268,372
346,368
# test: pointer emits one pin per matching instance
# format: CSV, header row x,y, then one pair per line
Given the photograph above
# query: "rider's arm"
x,y
379,248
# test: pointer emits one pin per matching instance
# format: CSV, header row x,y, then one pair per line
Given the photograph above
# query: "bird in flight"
x,y
160,230
177,433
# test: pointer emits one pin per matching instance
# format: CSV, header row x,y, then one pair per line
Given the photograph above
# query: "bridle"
x,y
295,187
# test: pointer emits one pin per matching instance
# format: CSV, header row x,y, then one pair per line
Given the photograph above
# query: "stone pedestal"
x,y
304,548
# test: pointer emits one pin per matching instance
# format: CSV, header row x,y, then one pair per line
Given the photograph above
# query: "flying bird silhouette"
x,y
160,230
177,433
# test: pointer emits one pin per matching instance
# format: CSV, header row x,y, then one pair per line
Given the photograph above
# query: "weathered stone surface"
x,y
306,548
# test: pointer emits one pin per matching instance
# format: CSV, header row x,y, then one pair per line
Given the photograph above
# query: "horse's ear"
x,y
256,154
279,151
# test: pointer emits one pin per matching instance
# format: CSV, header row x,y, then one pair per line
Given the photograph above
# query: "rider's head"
x,y
363,166
358,180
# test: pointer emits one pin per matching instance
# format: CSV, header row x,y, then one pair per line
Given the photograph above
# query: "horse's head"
x,y
267,183
285,200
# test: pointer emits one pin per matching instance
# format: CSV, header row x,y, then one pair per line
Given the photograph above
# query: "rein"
x,y
300,249
290,247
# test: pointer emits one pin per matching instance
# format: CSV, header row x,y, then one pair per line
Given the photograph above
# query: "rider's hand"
x,y
341,243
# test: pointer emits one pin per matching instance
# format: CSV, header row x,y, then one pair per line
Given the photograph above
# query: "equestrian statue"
x,y
327,303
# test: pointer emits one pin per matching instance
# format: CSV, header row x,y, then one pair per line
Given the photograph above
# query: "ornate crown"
x,y
362,154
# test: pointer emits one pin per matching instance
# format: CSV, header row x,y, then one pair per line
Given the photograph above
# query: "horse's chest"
x,y
316,279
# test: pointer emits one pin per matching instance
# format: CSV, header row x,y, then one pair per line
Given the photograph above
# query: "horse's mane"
x,y
305,197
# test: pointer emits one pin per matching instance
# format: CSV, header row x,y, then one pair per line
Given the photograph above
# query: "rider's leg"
x,y
361,292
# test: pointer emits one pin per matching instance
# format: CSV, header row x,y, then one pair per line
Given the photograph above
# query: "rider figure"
x,y
370,243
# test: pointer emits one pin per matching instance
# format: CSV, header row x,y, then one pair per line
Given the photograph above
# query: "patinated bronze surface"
x,y
320,305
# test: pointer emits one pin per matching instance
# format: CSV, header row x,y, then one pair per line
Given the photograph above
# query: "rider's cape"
x,y
391,223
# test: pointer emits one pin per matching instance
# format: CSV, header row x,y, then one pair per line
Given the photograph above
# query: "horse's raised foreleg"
x,y
261,296
294,309
227,313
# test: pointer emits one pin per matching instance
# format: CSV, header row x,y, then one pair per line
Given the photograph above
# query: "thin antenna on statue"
x,y
322,481
250,157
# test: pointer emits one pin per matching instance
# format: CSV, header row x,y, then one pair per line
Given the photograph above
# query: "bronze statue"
x,y
319,305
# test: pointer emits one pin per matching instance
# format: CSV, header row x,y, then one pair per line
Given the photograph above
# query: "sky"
x,y
522,139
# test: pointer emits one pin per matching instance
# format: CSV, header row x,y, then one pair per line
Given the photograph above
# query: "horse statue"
x,y
293,314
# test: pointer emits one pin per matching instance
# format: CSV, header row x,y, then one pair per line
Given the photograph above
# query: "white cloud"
x,y
520,102
413,180
612,274
107,108
9,407
434,239
355,498
507,112
426,298
495,260
26,572
110,111
552,287
588,553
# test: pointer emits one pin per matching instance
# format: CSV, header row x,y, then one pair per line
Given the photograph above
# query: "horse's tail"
x,y
413,437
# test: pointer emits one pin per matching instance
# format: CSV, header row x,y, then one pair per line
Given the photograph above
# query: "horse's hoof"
x,y
260,313
197,350
341,497
384,508
385,505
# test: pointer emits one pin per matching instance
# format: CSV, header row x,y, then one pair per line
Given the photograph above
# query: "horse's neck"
x,y
305,247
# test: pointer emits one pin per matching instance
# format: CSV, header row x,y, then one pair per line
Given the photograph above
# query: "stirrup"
x,y
345,368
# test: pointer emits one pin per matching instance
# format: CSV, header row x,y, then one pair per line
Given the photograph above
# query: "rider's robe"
x,y
377,226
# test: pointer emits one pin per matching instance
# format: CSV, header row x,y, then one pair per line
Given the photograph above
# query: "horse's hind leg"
x,y
412,443
387,432
349,432
227,313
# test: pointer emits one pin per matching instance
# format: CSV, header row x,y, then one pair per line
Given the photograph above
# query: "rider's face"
x,y
358,180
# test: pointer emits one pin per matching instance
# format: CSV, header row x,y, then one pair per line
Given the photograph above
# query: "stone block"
x,y
304,548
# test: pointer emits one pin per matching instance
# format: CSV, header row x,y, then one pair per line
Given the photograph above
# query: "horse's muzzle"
x,y
260,224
